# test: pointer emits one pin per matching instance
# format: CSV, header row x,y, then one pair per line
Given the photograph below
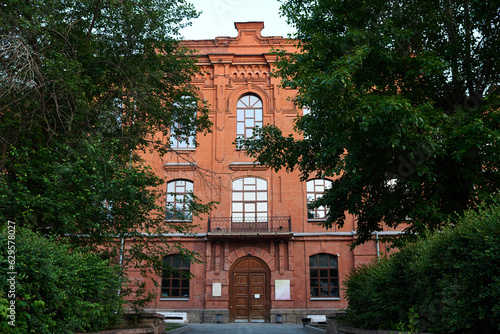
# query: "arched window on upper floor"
x,y
249,114
315,189
179,197
249,200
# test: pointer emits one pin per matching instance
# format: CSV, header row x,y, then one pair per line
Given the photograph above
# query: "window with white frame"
x,y
180,136
324,276
249,200
315,189
248,115
179,196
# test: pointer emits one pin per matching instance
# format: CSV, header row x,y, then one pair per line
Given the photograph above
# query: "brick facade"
x,y
235,67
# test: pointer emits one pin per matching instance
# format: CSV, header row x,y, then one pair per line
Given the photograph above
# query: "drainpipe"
x,y
378,247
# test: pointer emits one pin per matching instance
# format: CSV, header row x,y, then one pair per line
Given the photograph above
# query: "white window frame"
x,y
250,200
315,189
249,114
183,142
178,198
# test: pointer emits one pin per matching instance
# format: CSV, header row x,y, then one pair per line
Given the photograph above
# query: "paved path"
x,y
246,328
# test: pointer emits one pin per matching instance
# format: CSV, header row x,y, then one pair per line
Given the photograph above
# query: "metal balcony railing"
x,y
254,224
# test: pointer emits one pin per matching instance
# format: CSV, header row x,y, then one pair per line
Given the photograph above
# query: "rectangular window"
x,y
175,283
323,276
182,136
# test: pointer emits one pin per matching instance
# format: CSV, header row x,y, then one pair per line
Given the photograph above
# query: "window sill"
x,y
325,298
178,221
187,166
242,166
315,220
183,148
174,299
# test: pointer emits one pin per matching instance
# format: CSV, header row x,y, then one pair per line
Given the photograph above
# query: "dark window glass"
x,y
324,277
313,261
175,284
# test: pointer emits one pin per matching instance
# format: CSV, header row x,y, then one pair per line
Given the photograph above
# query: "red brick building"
x,y
263,251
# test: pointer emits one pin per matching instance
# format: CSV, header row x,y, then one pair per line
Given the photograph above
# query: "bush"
x,y
380,292
448,282
57,289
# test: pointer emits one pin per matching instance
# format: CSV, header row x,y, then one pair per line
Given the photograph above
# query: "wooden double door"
x,y
249,291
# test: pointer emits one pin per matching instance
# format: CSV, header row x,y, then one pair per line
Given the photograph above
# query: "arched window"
x,y
315,189
249,200
175,284
182,133
179,197
324,276
248,115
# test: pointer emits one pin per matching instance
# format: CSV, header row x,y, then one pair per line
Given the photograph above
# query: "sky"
x,y
218,18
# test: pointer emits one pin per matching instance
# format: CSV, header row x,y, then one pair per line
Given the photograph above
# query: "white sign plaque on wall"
x,y
282,289
216,289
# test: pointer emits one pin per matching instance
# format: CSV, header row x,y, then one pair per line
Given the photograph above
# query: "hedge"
x,y
448,282
57,289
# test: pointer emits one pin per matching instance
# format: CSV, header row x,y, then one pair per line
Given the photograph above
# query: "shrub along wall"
x,y
449,282
57,289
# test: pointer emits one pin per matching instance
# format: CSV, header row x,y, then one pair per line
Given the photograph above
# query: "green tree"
x,y
404,108
85,87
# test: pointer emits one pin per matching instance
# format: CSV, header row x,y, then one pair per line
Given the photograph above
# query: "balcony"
x,y
255,227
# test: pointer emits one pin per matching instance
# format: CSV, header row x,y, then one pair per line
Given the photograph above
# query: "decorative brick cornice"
x,y
217,58
245,251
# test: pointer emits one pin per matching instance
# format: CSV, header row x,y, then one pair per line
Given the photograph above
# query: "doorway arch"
x,y
249,290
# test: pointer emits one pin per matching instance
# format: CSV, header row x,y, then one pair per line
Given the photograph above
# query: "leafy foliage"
x,y
448,283
101,85
404,108
58,289
86,87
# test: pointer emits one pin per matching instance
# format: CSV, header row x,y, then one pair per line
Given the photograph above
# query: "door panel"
x,y
241,297
241,290
257,296
249,292
241,279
